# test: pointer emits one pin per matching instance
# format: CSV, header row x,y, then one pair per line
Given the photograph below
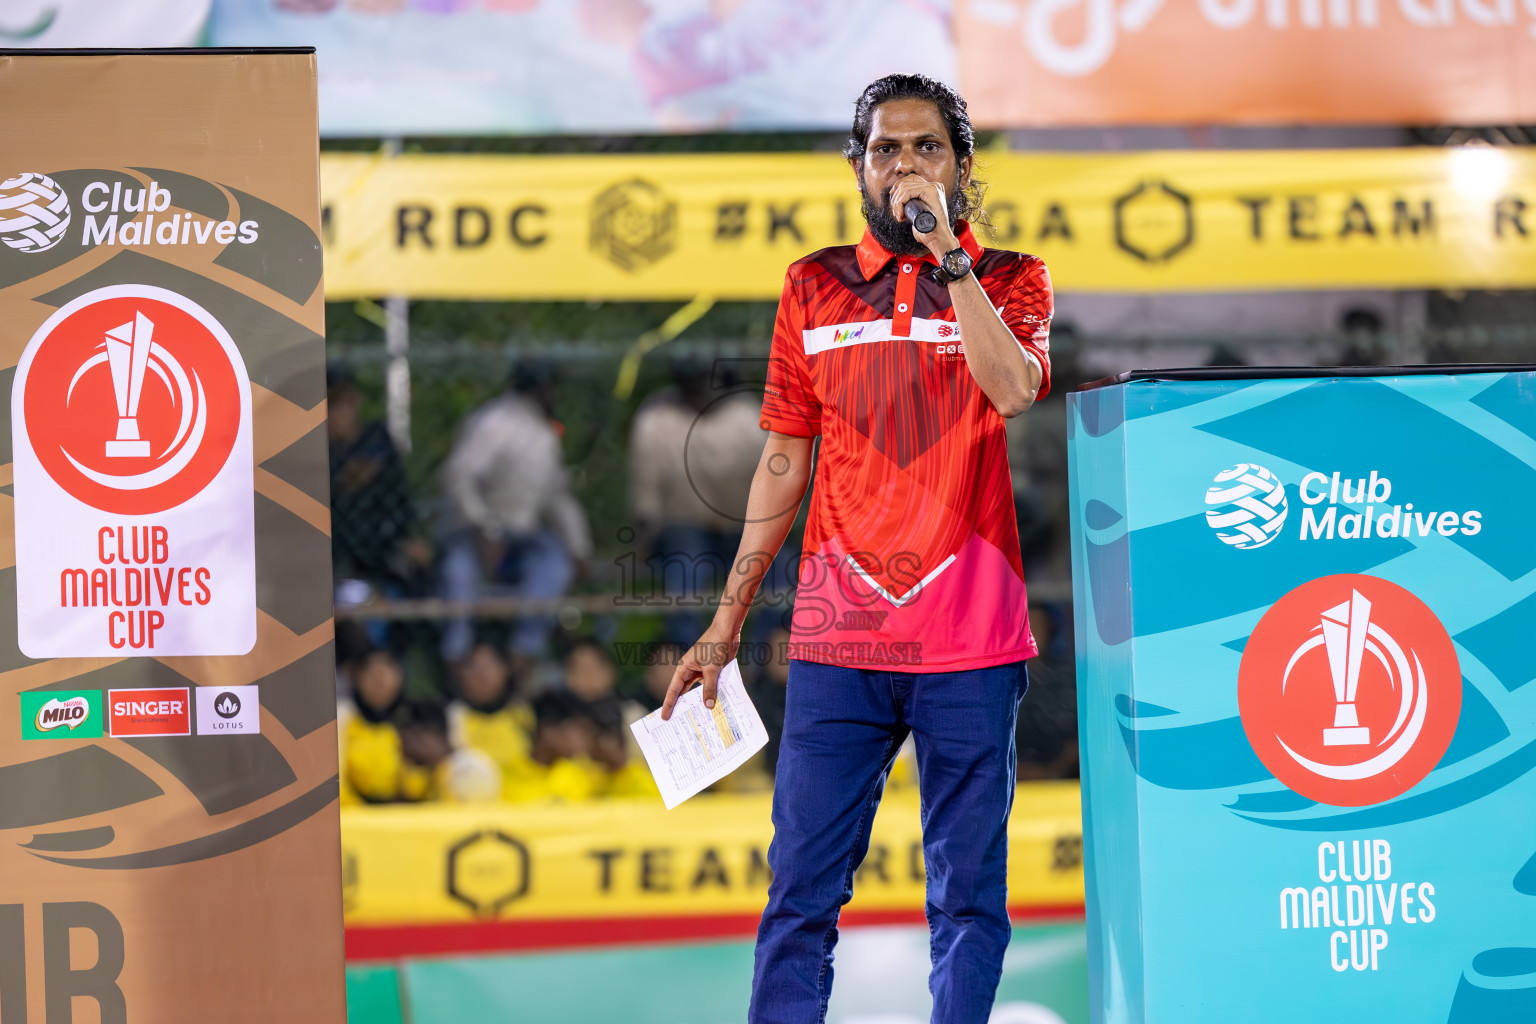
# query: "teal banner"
x,y
1304,619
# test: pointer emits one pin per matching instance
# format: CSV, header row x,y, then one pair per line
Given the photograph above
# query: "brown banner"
x,y
169,843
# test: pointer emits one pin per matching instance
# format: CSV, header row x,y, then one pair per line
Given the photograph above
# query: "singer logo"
x,y
162,711
1349,690
130,401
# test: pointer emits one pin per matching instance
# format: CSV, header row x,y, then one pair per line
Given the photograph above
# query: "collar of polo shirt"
x,y
873,256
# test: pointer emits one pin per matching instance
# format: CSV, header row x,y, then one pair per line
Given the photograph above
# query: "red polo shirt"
x,y
911,558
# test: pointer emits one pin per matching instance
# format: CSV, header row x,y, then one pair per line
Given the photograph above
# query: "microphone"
x,y
923,220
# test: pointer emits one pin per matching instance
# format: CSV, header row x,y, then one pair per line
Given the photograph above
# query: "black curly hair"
x,y
962,137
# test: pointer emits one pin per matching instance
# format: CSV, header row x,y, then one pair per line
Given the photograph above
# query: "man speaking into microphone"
x,y
904,354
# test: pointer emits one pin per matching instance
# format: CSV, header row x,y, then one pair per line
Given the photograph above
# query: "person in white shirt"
x,y
692,451
513,527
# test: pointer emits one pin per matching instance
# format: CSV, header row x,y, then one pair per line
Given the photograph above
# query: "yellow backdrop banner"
x,y
616,859
727,225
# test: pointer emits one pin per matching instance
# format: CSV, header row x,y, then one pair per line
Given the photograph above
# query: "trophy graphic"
x,y
1344,633
128,358
1353,635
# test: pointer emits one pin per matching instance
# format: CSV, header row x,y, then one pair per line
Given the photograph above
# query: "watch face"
x,y
956,263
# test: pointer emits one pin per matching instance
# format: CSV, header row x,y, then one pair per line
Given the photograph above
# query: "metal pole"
x,y
397,375
397,345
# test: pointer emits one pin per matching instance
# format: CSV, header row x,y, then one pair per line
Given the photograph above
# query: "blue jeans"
x,y
535,565
842,728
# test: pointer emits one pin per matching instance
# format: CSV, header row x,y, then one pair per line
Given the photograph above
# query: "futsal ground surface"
x,y
881,978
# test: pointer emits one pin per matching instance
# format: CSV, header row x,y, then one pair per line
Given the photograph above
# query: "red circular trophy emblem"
x,y
1349,690
129,399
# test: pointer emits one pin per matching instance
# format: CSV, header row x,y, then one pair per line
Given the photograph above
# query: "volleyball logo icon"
x,y
34,212
1245,505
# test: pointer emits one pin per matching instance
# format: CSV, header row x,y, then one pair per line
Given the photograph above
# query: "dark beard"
x,y
896,235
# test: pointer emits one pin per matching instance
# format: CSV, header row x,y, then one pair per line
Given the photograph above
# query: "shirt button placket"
x,y
906,294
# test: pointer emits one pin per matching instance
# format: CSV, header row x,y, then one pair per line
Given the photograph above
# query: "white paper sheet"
x,y
699,746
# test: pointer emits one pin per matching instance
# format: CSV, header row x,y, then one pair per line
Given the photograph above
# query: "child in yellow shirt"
x,y
559,767
486,715
374,766
625,775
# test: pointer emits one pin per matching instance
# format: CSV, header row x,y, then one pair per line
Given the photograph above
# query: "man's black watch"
x,y
954,265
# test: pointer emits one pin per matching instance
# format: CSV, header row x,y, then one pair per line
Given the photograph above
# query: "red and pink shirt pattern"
x,y
911,557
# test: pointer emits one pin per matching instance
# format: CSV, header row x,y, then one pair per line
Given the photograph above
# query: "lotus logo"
x,y
72,712
226,705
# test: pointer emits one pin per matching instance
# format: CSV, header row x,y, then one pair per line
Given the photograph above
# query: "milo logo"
x,y
55,714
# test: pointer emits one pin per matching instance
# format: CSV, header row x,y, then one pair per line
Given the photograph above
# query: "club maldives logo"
x,y
133,401
130,399
1349,690
1245,505
54,714
35,215
34,212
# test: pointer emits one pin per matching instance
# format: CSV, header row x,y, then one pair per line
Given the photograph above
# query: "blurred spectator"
x,y
660,664
630,776
374,541
627,774
486,715
512,520
559,766
460,774
692,454
1361,328
1047,730
1037,469
424,735
592,678
374,766
768,691
1360,320
1224,355
1037,460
